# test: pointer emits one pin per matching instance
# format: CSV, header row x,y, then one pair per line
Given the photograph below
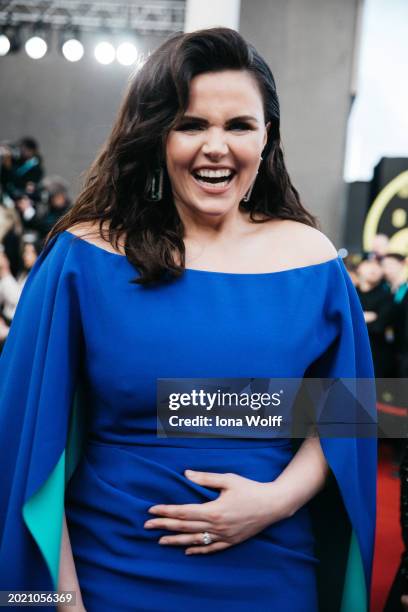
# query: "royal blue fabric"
x,y
80,319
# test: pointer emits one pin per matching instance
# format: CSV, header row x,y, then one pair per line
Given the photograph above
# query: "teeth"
x,y
215,185
218,185
214,173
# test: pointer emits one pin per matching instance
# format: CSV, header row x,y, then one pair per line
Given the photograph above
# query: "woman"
x,y
187,255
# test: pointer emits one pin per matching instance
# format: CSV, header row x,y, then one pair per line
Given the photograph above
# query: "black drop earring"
x,y
155,191
248,194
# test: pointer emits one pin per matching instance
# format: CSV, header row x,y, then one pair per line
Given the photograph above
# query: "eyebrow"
x,y
202,120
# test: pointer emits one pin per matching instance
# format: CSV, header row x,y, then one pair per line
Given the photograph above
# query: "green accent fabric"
x,y
43,512
355,597
43,516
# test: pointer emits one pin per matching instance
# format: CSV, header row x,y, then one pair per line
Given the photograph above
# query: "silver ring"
x,y
206,537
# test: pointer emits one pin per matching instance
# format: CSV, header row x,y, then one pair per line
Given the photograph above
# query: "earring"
x,y
155,190
248,194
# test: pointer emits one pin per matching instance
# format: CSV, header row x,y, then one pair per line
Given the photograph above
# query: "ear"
x,y
267,127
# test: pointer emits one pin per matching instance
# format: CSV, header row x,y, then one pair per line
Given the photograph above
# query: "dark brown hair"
x,y
116,188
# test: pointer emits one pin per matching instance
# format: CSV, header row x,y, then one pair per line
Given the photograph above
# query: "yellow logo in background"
x,y
388,215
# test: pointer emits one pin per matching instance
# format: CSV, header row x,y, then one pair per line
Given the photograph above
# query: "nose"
x,y
215,145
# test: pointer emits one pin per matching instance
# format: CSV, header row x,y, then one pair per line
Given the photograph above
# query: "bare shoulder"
x,y
90,232
312,241
300,244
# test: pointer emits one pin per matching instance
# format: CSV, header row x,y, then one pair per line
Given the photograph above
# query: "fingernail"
x,y
189,472
163,541
188,552
149,524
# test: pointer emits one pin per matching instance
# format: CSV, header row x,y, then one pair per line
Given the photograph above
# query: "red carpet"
x,y
388,544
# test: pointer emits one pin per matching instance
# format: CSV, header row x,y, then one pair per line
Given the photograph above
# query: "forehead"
x,y
228,92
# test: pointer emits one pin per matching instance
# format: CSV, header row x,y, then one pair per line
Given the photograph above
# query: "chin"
x,y
214,209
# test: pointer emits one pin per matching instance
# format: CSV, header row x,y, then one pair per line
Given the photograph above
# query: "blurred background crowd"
x,y
380,277
30,204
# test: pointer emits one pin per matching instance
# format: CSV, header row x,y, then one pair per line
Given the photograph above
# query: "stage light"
x,y
105,53
10,39
5,45
36,47
126,54
37,44
72,50
69,43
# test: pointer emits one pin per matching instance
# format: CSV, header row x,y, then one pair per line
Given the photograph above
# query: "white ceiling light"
x,y
72,50
4,45
36,47
126,54
105,53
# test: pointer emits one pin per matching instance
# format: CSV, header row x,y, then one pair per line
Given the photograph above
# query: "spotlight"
x,y
36,47
72,50
69,42
10,39
5,45
105,53
126,54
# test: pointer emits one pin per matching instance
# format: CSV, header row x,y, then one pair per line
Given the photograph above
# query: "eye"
x,y
241,126
191,126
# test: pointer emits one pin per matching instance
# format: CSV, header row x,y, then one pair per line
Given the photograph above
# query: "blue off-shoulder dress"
x,y
78,380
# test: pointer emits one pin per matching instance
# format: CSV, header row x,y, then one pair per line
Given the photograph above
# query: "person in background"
x,y
352,265
11,230
10,287
395,273
379,247
21,169
377,303
9,290
30,252
4,330
397,600
42,221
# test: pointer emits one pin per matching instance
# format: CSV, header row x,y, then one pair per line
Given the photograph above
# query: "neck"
x,y
206,228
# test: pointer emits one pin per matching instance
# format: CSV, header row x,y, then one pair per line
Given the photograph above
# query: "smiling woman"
x,y
187,255
216,147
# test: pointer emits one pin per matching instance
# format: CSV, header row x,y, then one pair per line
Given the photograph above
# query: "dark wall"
x,y
309,46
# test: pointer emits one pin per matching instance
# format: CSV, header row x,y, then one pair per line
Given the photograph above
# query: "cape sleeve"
x,y
345,512
38,391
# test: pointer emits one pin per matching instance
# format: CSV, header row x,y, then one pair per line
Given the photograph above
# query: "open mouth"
x,y
217,178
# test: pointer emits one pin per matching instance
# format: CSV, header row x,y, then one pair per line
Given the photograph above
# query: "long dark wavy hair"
x,y
116,188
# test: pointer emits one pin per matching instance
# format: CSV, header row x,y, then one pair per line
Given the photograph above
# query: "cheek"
x,y
180,152
247,152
